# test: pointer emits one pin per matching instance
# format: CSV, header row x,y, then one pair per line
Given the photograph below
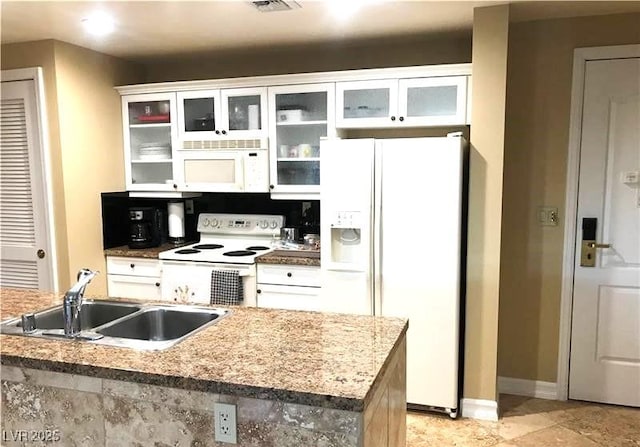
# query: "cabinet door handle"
x,y
289,274
224,132
217,132
258,291
401,118
157,284
393,118
271,186
132,265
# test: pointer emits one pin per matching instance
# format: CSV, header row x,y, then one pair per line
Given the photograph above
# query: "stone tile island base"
x,y
75,410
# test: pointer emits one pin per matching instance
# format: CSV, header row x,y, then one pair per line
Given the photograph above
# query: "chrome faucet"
x,y
73,302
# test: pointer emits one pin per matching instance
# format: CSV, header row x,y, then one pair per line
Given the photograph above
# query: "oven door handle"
x,y
241,273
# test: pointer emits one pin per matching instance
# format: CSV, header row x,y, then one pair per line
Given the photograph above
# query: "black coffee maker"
x,y
145,227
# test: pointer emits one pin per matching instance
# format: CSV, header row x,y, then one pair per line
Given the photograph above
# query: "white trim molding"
x,y
484,410
531,388
580,58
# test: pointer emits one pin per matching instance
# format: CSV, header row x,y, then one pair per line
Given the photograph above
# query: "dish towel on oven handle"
x,y
226,287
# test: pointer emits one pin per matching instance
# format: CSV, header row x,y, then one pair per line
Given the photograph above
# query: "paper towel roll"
x,y
176,221
254,117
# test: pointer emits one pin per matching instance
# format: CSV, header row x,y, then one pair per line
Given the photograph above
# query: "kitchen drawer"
x,y
289,275
133,266
288,297
141,287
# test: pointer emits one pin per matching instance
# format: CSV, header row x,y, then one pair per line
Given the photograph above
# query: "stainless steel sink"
x,y
159,327
130,325
92,314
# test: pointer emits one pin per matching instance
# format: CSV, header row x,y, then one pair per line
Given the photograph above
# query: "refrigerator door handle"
x,y
376,218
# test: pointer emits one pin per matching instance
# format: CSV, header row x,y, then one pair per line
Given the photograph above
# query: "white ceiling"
x,y
162,28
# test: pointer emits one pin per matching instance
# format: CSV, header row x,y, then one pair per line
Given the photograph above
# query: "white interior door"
x,y
24,238
605,337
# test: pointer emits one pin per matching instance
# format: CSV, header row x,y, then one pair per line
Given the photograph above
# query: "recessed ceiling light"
x,y
98,24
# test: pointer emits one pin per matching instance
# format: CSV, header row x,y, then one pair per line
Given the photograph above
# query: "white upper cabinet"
x,y
221,114
299,116
411,102
149,141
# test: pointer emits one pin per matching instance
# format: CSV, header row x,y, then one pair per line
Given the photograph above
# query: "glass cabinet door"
x,y
366,103
300,116
243,112
199,115
149,141
433,101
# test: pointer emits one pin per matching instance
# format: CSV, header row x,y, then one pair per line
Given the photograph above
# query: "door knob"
x,y
589,244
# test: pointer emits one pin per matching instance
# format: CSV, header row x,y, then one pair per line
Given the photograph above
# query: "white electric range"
x,y
227,242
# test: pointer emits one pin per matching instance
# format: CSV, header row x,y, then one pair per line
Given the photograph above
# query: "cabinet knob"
x,y
175,186
271,186
132,265
401,118
393,118
217,132
157,284
224,132
289,274
258,291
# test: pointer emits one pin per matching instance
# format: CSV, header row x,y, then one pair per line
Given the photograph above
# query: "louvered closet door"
x,y
22,226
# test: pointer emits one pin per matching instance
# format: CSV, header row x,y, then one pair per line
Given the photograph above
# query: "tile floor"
x,y
527,422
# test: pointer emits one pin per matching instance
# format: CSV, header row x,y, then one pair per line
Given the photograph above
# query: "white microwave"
x,y
229,170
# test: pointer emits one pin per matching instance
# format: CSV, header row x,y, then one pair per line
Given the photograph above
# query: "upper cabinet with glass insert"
x,y
149,139
300,115
411,102
222,114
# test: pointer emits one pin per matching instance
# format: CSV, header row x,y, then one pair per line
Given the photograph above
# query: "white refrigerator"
x,y
391,229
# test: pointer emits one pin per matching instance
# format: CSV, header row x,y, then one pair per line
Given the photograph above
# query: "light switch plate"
x,y
548,216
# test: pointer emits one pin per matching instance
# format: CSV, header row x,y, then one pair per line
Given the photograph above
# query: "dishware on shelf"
x,y
304,150
283,151
154,151
293,152
292,114
153,118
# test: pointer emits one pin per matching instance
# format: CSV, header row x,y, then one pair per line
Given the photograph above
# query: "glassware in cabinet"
x,y
301,116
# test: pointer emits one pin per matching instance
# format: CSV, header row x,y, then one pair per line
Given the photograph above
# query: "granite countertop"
x,y
310,358
151,253
290,257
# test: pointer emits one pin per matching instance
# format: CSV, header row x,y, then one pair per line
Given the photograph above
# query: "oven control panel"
x,y
247,224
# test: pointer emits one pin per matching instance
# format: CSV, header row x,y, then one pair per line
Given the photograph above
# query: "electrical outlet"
x,y
225,423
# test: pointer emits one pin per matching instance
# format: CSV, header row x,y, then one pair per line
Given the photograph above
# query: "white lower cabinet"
x,y
291,287
133,278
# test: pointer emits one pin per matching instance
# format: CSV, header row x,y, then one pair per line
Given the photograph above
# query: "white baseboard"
x,y
486,410
531,388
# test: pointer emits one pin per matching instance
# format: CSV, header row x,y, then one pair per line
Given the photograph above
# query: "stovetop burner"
x,y
187,251
207,246
257,248
240,253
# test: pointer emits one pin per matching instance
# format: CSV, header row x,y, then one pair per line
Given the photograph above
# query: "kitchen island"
x,y
296,378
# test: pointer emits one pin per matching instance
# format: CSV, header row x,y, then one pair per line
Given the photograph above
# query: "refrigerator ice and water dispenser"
x,y
346,242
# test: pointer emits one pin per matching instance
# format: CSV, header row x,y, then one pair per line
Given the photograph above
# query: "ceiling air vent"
x,y
274,5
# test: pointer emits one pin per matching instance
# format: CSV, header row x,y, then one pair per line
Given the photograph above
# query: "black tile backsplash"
x,y
298,213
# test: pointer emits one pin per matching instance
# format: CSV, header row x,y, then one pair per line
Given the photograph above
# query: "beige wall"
x,y
86,144
490,39
90,119
41,54
416,50
537,132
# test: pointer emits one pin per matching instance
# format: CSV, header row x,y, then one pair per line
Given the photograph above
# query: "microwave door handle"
x,y
239,172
